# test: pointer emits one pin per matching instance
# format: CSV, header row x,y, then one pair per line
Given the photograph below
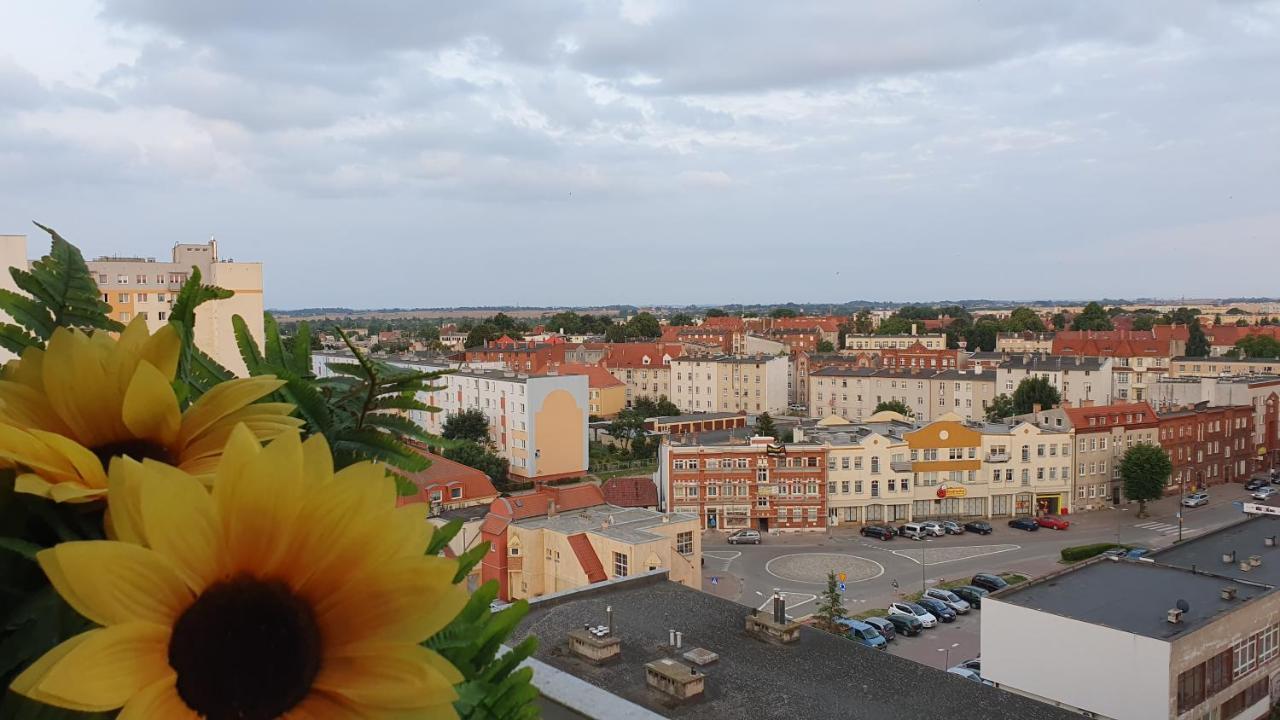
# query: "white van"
x,y
915,531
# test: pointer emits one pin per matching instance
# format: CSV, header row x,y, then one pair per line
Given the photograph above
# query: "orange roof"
x,y
632,355
1110,343
1115,415
537,502
630,491
587,557
444,475
726,322
597,377
1230,334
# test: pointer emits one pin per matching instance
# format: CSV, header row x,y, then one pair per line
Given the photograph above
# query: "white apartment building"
x,y
854,393
730,383
537,422
876,343
1079,380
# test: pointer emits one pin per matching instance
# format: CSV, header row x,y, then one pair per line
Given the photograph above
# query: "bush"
x,y
1084,552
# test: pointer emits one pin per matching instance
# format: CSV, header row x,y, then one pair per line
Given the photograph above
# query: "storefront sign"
x,y
1256,509
952,492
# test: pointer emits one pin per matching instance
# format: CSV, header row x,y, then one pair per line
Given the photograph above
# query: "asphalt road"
x,y
878,572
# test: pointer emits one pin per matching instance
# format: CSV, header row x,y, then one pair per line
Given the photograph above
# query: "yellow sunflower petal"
x,y
222,400
403,600
158,700
258,504
180,523
317,461
86,464
114,582
104,667
73,492
124,500
79,391
393,676
444,667
162,350
150,406
33,484
266,421
28,407
26,682
26,449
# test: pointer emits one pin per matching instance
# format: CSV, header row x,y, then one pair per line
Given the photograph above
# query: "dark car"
x,y
939,609
884,625
906,625
1254,484
988,582
982,527
970,594
1024,523
878,531
951,527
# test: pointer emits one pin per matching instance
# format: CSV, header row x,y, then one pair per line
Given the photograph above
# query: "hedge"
x,y
1084,552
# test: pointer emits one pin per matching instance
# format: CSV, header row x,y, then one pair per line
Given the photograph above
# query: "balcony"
x,y
997,457
900,465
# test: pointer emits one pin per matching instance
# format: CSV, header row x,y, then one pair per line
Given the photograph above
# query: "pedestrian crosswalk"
x,y
1167,528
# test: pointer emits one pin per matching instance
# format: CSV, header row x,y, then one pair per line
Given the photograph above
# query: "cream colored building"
x,y
1222,366
730,383
567,550
854,393
868,471
1024,342
143,287
876,343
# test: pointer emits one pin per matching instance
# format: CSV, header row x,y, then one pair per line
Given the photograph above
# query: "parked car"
x,y
744,537
915,531
1137,552
970,594
925,617
968,674
1024,523
982,527
938,609
884,532
948,598
974,665
1196,499
1053,521
908,625
952,527
933,528
1265,493
861,632
1255,483
884,625
989,582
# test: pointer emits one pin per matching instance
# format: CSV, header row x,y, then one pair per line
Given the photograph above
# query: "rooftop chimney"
x,y
1228,593
1174,616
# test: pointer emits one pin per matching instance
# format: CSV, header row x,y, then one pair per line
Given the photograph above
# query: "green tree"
x,y
895,325
895,406
507,324
765,426
643,325
825,346
782,312
479,457
1024,318
615,333
627,426
1093,317
482,333
1034,391
1242,323
1001,407
1059,321
1197,343
1181,316
863,323
680,320
1236,311
467,425
830,607
1144,322
982,334
715,312
1145,471
1255,346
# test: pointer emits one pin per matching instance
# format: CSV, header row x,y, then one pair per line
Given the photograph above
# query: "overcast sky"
x,y
408,153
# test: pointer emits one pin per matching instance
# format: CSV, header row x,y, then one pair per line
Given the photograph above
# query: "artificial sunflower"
x,y
290,592
66,411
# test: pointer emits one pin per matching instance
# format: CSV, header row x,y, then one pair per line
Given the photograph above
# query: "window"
x,y
875,488
875,465
1246,656
619,565
123,297
1190,688
857,486
124,317
844,462
844,486
684,543
1245,699
1268,644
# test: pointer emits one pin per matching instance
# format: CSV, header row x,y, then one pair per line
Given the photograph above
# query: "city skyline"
x,y
645,152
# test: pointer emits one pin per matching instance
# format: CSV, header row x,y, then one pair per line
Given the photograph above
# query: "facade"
x,y
695,423
1207,445
1102,434
644,368
757,484
606,394
1193,637
13,253
1024,342
730,383
561,538
868,471
534,358
1079,380
448,485
537,422
854,393
876,343
1260,392
1218,366
919,356
1139,357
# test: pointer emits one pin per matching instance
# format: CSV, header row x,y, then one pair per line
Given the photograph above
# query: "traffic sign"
x,y
841,587
715,580
842,577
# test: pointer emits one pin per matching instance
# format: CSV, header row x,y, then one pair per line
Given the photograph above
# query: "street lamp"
x,y
947,655
1182,494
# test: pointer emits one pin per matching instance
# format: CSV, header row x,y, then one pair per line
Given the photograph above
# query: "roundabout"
x,y
812,568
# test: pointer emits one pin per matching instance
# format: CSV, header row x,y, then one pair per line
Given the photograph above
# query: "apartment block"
x,y
645,368
869,477
1024,342
1207,445
854,393
876,343
732,482
1259,392
730,383
1079,380
606,394
1216,366
523,357
537,422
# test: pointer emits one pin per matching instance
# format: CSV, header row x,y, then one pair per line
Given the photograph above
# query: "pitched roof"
x,y
587,558
1110,343
444,474
632,355
630,491
1114,415
597,377
1229,334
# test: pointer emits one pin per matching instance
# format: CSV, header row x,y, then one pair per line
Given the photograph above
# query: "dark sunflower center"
x,y
136,449
247,649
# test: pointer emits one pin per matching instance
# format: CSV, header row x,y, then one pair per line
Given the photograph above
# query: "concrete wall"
x,y
557,407
214,332
1108,672
13,253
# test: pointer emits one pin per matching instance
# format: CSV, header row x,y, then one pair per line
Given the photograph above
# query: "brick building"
x,y
532,358
919,356
1207,445
758,484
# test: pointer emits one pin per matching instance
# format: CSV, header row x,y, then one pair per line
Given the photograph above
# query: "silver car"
x,y
948,598
933,528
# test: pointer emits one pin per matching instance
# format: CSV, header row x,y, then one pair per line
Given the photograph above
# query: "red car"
x,y
1052,521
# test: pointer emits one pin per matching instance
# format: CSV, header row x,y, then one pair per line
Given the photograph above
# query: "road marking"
x,y
987,550
1168,529
787,595
879,568
720,554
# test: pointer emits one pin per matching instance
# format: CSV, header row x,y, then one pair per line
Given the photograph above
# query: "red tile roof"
x,y
631,355
587,558
444,475
1110,343
597,377
1230,334
727,322
1115,415
631,492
